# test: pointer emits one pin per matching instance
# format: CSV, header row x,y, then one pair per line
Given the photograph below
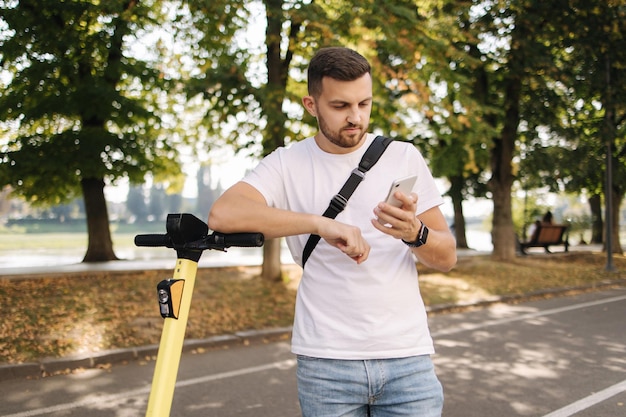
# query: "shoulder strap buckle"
x,y
338,203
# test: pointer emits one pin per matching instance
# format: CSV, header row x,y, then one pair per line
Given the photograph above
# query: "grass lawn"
x,y
71,236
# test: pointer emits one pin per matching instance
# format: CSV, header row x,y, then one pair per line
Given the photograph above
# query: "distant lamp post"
x,y
609,208
608,117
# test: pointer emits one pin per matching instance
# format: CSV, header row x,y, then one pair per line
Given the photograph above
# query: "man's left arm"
x,y
427,234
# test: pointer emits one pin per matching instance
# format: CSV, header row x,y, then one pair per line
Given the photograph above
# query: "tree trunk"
x,y
100,246
275,131
610,128
501,182
455,192
503,232
597,225
271,270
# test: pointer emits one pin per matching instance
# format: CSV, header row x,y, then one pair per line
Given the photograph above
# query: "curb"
x,y
55,366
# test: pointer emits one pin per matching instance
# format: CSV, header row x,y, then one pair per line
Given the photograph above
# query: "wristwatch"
x,y
422,235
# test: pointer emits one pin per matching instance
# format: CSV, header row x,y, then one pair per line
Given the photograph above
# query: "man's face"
x,y
342,111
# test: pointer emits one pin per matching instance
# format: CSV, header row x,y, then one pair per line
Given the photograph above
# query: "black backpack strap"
x,y
340,200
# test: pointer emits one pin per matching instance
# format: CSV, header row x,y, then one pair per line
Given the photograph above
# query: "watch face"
x,y
424,234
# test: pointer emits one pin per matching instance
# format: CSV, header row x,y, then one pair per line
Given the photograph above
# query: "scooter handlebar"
x,y
227,240
153,240
215,240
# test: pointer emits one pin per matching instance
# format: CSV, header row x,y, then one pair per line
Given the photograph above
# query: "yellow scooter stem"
x,y
171,345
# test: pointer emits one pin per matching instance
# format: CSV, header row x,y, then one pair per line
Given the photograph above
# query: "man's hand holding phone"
x,y
404,185
398,220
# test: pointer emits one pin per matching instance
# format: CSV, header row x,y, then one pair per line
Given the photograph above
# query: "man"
x,y
360,330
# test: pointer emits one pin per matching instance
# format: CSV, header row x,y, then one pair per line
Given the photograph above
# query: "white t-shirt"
x,y
343,310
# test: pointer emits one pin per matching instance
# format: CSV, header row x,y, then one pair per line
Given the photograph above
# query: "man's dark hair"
x,y
336,62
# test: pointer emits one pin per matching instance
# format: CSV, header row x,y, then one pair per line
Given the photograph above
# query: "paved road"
x,y
535,358
550,358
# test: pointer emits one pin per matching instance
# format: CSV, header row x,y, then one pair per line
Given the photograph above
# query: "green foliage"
x,y
74,106
254,96
587,46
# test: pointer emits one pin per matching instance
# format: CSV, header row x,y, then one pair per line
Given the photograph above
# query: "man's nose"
x,y
354,116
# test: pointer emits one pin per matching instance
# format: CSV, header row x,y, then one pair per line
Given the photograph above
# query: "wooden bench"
x,y
546,235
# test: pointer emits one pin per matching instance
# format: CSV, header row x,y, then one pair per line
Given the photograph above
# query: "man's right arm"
x,y
242,208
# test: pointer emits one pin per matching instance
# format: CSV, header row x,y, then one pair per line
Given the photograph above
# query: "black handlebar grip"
x,y
244,240
153,240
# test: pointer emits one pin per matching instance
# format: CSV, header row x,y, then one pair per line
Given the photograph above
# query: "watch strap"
x,y
422,236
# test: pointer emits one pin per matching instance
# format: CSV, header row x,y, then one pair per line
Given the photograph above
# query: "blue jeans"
x,y
369,388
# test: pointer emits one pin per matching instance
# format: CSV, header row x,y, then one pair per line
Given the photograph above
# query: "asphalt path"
x,y
557,357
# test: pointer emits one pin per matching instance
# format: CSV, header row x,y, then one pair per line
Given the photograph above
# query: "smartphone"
x,y
402,184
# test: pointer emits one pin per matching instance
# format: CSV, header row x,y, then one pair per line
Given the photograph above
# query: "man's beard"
x,y
340,138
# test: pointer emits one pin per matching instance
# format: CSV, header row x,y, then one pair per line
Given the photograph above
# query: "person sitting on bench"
x,y
535,227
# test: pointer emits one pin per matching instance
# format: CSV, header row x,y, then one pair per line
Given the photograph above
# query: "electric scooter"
x,y
189,236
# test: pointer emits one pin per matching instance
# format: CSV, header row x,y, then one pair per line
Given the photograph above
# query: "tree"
x,y
588,47
77,105
596,54
516,65
461,118
518,45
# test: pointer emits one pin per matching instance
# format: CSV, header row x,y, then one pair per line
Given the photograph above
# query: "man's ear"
x,y
309,104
